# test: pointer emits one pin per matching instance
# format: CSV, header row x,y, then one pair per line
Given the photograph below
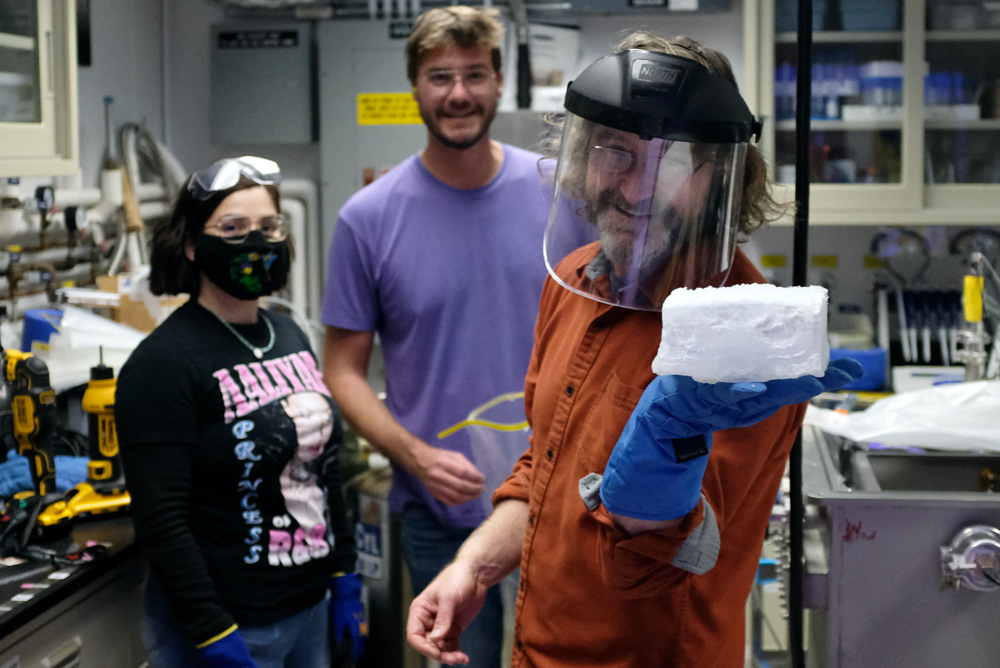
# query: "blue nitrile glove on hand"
x,y
656,468
229,651
15,473
347,615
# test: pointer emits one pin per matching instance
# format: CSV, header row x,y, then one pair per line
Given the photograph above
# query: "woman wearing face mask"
x,y
210,409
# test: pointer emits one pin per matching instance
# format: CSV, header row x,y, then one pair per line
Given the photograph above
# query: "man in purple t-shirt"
x,y
441,257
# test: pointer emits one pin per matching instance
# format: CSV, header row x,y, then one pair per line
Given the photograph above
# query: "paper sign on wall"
x,y
388,109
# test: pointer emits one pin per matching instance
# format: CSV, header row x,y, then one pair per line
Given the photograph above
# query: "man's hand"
x,y
656,468
442,611
449,476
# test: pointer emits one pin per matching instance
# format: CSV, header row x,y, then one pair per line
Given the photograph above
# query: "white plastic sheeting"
x,y
959,416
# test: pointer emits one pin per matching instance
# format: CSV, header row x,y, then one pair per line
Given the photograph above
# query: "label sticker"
x,y
388,109
824,261
773,261
368,539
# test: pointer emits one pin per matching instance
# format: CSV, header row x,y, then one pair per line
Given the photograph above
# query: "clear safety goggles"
x,y
226,173
633,219
236,229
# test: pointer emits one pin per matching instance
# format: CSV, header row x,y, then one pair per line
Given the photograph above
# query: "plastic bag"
x,y
957,416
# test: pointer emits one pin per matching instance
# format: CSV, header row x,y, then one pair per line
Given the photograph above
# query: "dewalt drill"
x,y
104,490
33,404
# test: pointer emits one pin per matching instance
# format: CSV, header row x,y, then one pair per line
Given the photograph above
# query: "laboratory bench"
x,y
85,615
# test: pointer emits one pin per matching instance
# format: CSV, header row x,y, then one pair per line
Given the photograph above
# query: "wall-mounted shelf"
x,y
921,167
847,126
18,42
978,124
963,35
840,36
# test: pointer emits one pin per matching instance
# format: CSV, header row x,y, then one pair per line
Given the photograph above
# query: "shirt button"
x,y
569,391
548,454
531,520
518,643
600,325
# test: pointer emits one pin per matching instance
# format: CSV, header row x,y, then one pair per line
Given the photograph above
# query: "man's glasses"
x,y
617,161
236,229
224,174
473,80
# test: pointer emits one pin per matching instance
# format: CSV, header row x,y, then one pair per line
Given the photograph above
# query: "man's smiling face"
x,y
638,194
458,91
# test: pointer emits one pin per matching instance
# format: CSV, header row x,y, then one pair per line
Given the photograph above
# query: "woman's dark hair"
x,y
171,272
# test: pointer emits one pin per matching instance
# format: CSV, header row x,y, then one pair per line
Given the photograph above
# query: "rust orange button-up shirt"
x,y
590,595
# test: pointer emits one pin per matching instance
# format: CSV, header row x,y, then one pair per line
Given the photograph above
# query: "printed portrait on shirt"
x,y
304,532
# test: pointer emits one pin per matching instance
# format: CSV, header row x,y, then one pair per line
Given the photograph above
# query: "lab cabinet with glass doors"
x,y
904,110
38,98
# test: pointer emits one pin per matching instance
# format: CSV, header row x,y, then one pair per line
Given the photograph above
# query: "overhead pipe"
x,y
296,214
309,242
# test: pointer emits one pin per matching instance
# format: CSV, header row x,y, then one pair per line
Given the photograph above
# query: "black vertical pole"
x,y
800,256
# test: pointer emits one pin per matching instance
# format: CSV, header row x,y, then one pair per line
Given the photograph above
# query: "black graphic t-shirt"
x,y
232,466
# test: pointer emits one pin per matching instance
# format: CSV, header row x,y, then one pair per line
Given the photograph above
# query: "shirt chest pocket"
x,y
604,424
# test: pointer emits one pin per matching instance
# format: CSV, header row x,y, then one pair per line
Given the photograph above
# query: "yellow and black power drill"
x,y
33,404
104,490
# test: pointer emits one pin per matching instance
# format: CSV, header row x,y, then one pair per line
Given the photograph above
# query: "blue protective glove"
x,y
229,651
656,468
347,615
15,473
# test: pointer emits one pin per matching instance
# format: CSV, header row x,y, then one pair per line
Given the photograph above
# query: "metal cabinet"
x,y
39,133
904,108
96,627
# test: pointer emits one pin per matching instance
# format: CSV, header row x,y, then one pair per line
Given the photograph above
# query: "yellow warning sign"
x,y
388,109
824,261
773,261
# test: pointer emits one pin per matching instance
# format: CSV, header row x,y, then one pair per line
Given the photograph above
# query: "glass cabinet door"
x,y
20,85
962,93
856,108
39,134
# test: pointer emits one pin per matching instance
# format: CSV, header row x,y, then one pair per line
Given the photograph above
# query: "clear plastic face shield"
x,y
636,218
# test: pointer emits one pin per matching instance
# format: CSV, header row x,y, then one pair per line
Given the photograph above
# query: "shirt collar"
x,y
600,266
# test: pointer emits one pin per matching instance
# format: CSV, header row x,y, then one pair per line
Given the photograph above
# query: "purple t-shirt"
x,y
450,279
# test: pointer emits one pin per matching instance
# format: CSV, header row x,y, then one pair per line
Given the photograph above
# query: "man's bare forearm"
x,y
367,414
494,549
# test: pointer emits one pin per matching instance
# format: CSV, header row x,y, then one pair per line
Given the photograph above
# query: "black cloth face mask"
x,y
248,270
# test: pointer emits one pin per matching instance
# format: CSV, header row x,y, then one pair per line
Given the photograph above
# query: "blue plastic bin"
x,y
39,325
872,361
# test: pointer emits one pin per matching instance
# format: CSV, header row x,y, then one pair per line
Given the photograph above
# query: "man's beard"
x,y
435,129
618,237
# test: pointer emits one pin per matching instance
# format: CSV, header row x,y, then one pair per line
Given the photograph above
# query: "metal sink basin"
x,y
876,523
903,471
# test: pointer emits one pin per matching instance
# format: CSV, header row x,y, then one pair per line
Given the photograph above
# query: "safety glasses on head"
x,y
224,174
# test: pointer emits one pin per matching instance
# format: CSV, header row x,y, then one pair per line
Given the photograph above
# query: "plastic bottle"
x,y
957,88
817,109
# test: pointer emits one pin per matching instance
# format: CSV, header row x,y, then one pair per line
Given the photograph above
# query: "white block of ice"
x,y
744,333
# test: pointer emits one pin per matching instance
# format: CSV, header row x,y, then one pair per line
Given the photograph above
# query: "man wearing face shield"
x,y
638,513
